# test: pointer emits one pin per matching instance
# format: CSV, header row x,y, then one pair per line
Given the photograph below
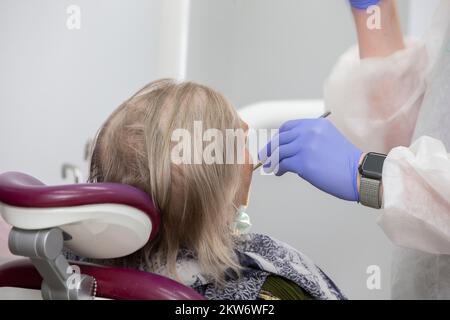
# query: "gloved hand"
x,y
316,151
363,4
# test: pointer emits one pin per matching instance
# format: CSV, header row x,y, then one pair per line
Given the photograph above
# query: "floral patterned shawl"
x,y
260,255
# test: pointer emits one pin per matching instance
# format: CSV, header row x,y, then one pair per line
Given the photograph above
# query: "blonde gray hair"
x,y
196,201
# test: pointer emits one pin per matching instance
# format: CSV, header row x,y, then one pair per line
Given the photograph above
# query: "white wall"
x,y
57,86
420,16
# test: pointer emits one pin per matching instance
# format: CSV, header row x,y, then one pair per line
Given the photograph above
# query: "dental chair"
x,y
96,221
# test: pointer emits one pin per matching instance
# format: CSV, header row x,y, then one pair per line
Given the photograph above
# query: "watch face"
x,y
373,165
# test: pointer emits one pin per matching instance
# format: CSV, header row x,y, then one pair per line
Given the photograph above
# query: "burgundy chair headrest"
x,y
21,190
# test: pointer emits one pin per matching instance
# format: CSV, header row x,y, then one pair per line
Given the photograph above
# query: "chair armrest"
x,y
112,283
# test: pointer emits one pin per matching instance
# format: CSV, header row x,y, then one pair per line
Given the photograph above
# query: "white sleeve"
x,y
416,197
375,101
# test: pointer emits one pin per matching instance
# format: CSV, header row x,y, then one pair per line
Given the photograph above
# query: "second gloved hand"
x,y
316,151
363,4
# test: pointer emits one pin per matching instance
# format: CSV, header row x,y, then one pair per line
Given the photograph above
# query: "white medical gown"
x,y
400,105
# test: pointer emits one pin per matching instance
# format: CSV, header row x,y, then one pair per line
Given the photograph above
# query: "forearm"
x,y
382,42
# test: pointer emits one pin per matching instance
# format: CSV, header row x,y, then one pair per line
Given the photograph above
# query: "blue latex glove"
x,y
363,4
316,151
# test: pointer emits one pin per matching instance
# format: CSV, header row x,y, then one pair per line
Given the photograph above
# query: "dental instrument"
x,y
259,164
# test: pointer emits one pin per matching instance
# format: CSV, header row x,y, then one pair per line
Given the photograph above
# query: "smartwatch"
x,y
371,171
